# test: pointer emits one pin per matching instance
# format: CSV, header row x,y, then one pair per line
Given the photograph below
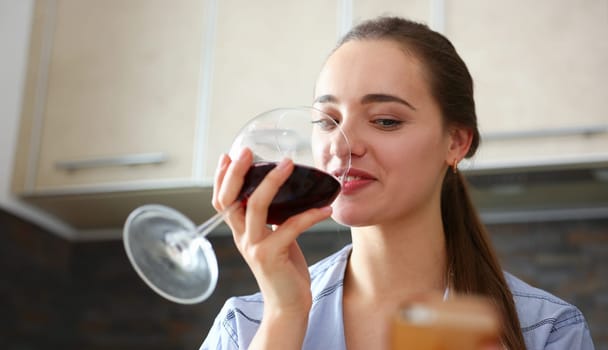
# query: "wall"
x,y
15,21
85,295
57,294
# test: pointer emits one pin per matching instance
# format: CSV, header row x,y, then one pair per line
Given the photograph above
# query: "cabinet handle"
x,y
128,160
590,130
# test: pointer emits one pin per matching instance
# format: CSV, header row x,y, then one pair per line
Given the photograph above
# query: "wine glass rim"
x,y
345,168
293,108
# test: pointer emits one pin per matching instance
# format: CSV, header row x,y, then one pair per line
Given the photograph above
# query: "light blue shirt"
x,y
547,322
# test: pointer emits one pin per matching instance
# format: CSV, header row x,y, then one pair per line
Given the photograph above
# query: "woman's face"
x,y
399,146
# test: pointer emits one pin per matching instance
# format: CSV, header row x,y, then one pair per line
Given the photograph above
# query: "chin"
x,y
350,219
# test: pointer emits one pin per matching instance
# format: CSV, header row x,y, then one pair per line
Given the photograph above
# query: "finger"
x,y
220,172
296,255
230,187
289,231
259,201
232,181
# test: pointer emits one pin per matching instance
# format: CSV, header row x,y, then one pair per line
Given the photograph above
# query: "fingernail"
x,y
327,209
242,153
283,163
223,160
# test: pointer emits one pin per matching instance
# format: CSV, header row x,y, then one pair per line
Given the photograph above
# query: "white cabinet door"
x,y
112,83
168,82
417,10
539,68
267,54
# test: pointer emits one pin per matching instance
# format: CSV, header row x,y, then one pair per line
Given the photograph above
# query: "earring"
x,y
455,166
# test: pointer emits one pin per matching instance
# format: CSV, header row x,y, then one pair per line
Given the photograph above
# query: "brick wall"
x,y
566,258
60,295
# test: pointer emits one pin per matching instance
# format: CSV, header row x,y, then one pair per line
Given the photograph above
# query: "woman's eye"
x,y
387,123
325,124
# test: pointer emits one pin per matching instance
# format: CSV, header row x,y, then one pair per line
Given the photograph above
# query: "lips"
x,y
354,180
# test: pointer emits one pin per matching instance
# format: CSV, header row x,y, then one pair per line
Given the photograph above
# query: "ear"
x,y
460,139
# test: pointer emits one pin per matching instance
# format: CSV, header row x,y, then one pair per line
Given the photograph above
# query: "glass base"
x,y
165,250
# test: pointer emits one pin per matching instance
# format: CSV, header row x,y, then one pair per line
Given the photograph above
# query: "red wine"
x,y
305,188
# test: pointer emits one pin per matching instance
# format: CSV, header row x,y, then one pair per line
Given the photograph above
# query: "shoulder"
x,y
240,317
546,319
327,275
331,267
236,323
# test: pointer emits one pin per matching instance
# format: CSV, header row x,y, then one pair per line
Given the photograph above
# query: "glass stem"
x,y
206,227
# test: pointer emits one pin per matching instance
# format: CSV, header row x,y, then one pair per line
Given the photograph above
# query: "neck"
x,y
394,261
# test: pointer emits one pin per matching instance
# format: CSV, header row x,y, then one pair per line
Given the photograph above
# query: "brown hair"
x,y
472,261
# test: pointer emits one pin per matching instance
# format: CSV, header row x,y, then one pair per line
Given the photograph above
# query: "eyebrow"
x,y
369,98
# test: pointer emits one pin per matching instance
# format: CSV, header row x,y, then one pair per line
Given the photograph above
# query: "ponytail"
x,y
472,261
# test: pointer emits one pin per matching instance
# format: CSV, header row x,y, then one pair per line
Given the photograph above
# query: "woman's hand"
x,y
274,257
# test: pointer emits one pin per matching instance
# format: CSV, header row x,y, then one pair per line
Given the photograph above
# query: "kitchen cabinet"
x,y
112,83
132,102
539,68
417,10
267,54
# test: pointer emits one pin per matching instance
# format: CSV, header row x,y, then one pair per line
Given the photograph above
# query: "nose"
x,y
354,146
340,146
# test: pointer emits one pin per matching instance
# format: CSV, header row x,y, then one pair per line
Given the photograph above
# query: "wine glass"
x,y
173,256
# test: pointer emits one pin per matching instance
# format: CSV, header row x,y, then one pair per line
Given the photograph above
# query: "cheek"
x,y
415,157
320,155
330,152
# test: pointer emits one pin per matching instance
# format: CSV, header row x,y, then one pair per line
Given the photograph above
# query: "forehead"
x,y
379,66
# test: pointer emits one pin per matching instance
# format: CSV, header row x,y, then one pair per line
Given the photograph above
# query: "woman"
x,y
404,98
